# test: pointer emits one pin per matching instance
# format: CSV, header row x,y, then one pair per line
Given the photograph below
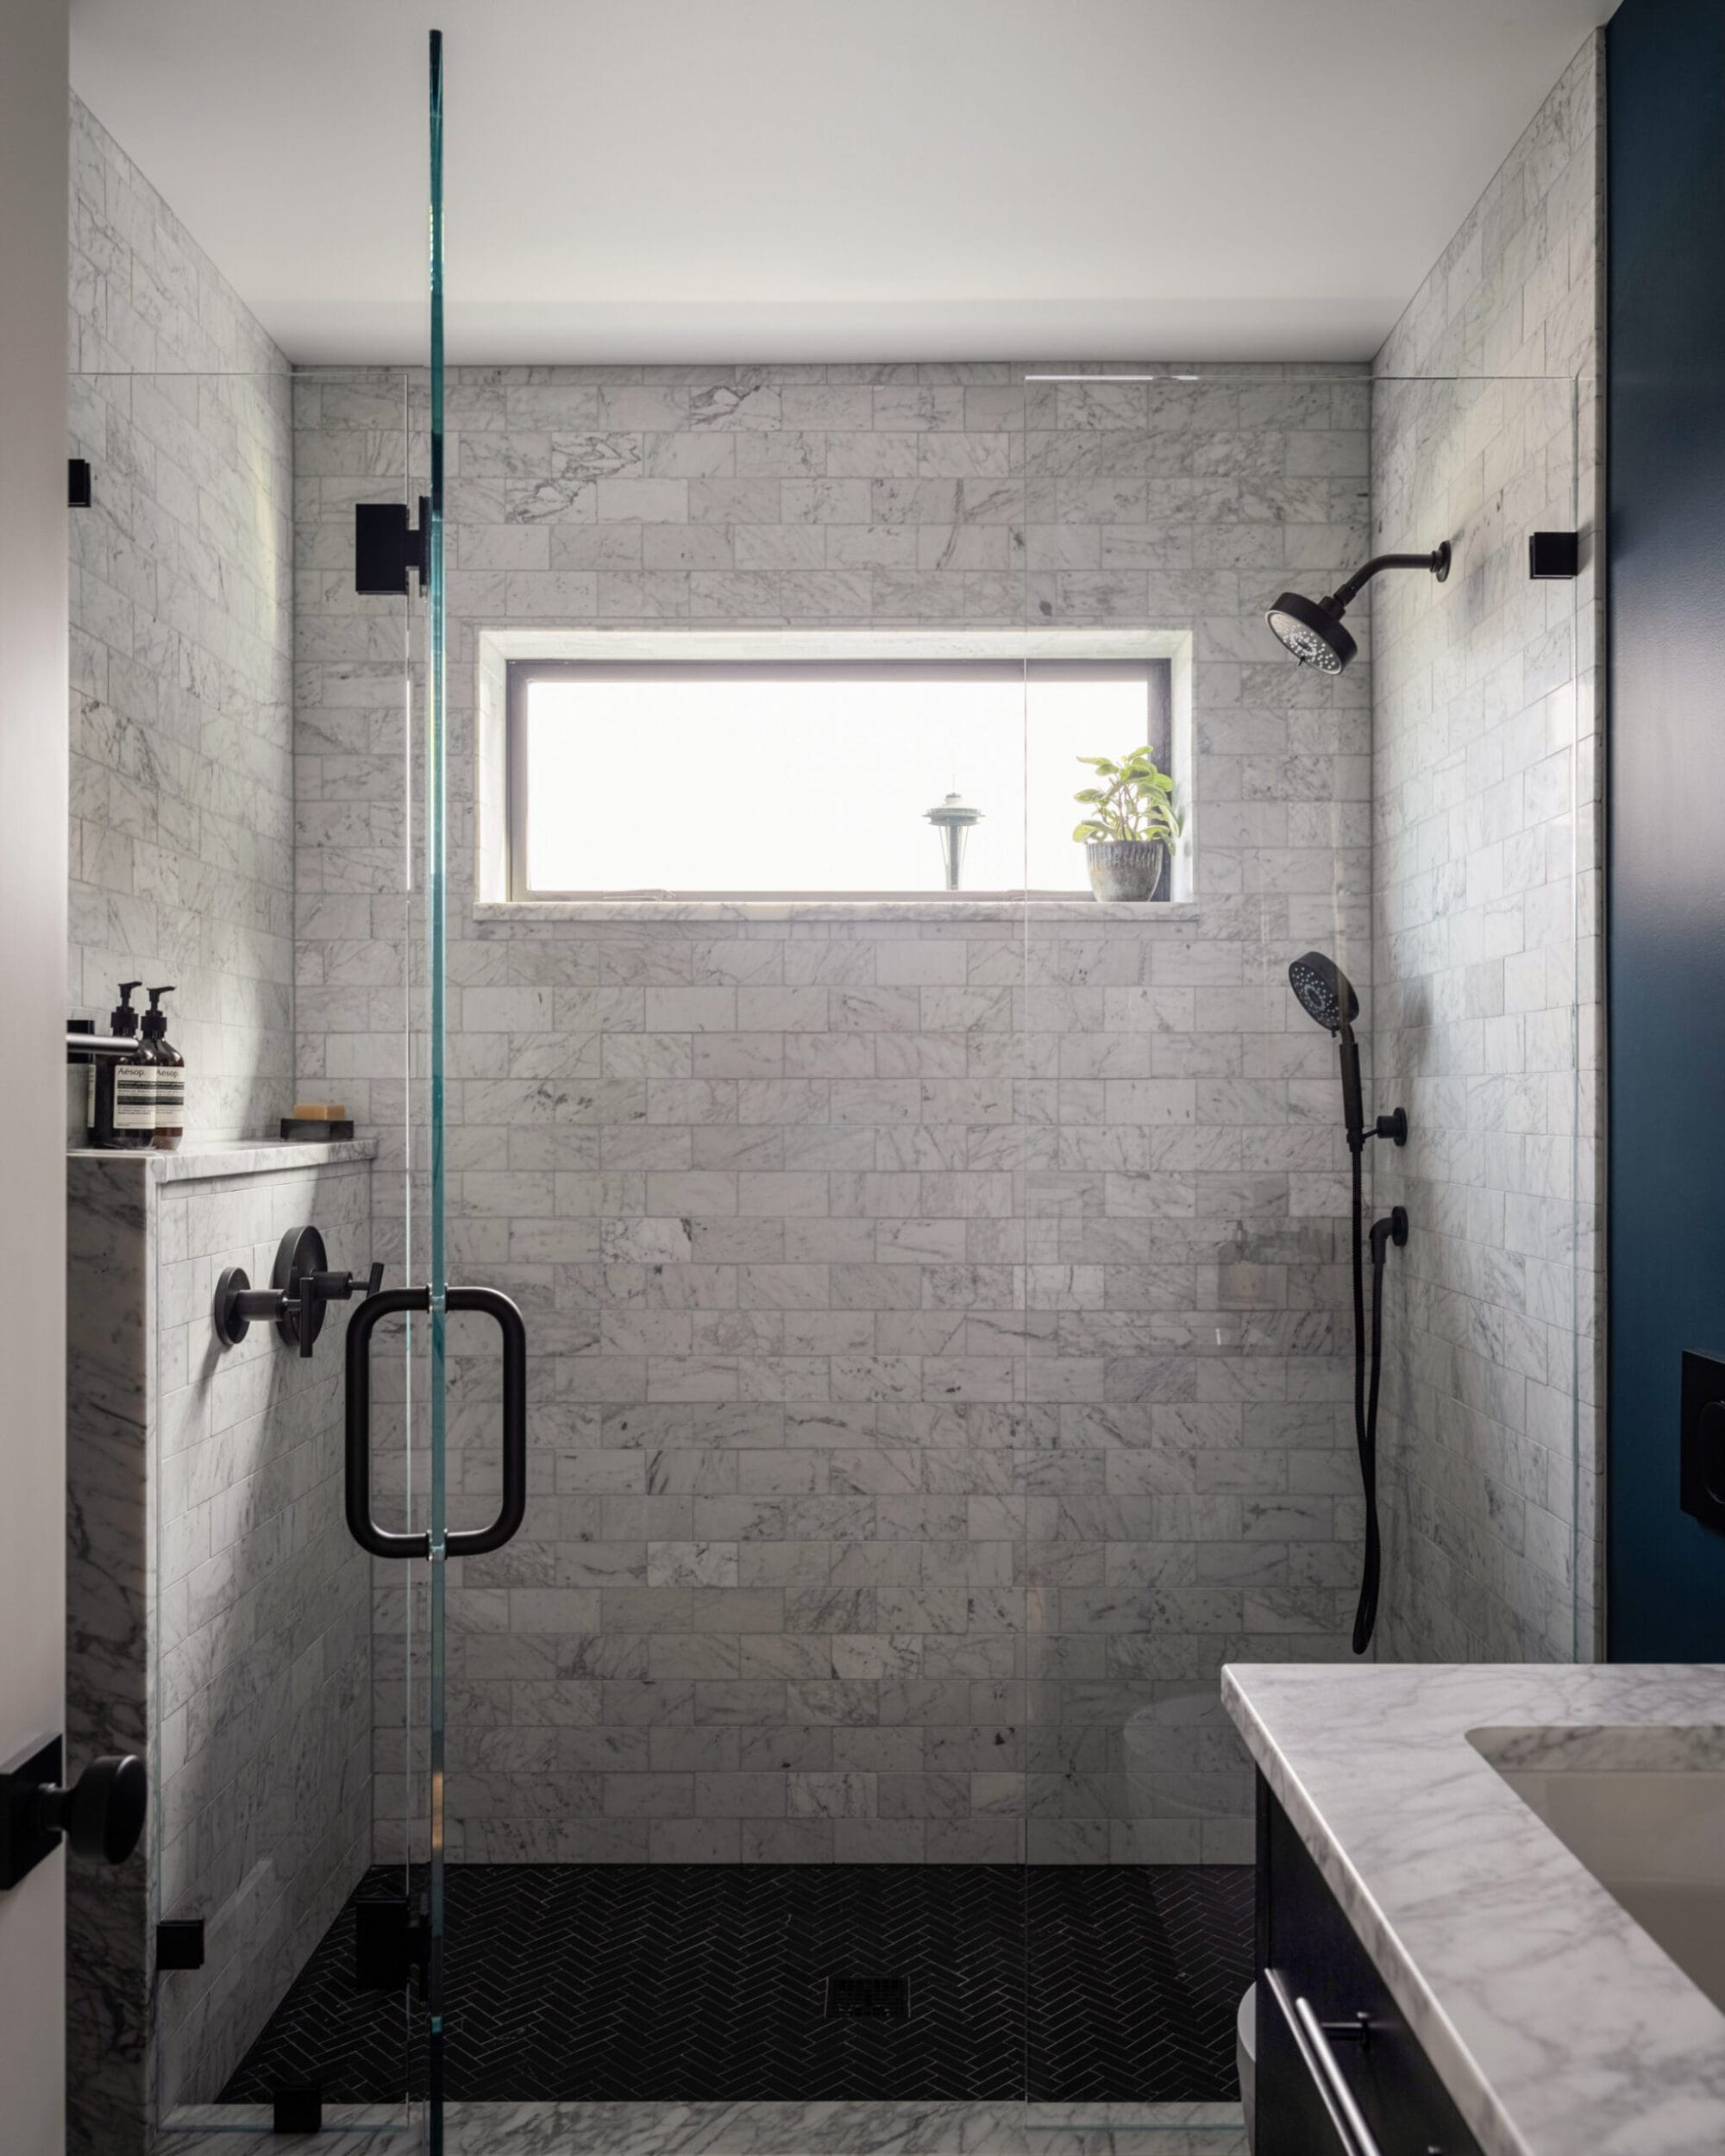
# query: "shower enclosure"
x,y
938,1323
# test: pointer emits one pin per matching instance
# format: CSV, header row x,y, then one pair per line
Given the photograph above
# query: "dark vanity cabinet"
x,y
1337,2068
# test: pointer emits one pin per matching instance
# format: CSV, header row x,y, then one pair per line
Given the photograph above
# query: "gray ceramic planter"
x,y
1129,869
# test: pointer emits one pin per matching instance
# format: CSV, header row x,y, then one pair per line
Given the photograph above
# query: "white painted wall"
x,y
33,906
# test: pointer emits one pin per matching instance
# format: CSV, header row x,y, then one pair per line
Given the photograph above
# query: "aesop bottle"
x,y
170,1076
125,1118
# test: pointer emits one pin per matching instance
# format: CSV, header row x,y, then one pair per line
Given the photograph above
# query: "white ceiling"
x,y
663,180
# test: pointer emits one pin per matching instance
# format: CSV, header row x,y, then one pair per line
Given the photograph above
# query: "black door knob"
x,y
100,1814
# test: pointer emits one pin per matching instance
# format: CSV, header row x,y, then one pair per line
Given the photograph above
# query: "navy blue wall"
x,y
1665,475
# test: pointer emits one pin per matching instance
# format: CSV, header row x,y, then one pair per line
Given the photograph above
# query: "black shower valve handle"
x,y
342,1287
294,1304
327,1287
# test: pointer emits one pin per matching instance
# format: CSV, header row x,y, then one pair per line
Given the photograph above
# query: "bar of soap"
x,y
319,1111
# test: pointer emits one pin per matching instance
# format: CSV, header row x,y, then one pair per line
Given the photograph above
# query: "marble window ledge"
x,y
1063,911
233,1157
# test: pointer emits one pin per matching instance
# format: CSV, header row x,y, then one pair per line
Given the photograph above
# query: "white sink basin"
x,y
1644,1810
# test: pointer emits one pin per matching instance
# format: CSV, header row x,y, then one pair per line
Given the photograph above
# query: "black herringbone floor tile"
x,y
1133,1977
706,1983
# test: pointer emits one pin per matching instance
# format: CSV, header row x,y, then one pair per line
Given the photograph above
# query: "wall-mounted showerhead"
x,y
1312,629
1323,991
1312,633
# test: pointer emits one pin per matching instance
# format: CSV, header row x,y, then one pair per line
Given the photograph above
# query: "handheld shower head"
x,y
1323,991
1312,629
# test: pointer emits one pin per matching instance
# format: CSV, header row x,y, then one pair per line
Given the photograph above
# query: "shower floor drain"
x,y
867,1998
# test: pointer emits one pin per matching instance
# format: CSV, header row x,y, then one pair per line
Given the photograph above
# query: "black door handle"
x,y
101,1815
469,1542
474,1542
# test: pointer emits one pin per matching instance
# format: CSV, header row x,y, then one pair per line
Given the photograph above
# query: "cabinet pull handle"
x,y
1320,2061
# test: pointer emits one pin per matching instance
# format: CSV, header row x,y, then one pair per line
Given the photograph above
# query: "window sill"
x,y
1068,911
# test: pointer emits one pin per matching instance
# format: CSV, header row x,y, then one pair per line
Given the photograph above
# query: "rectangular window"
x,y
784,780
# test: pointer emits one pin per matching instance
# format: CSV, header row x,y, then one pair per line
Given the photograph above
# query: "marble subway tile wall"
x,y
936,1362
182,644
221,1618
1488,999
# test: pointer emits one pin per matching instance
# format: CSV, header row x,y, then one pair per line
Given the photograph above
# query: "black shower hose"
x,y
1365,1403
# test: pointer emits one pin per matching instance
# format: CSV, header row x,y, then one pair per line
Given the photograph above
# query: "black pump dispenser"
x,y
123,1119
170,1075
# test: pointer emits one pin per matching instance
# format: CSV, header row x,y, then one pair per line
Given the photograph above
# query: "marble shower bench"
x,y
219,1619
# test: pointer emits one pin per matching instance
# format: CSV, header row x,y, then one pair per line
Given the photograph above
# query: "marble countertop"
x,y
1556,2023
231,1157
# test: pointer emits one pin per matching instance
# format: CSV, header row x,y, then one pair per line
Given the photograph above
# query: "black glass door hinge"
x,y
384,548
391,1942
179,1943
1554,556
78,482
296,2107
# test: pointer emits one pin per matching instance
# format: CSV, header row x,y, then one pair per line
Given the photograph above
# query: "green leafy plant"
x,y
1133,800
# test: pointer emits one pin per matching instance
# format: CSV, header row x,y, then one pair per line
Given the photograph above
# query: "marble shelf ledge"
x,y
233,1157
1071,912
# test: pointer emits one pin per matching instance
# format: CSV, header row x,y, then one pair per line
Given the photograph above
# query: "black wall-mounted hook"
x,y
301,1285
384,548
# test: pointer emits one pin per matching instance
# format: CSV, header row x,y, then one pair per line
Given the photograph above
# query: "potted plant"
x,y
1131,827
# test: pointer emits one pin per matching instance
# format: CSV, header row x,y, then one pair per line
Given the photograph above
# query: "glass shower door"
x,y
288,1806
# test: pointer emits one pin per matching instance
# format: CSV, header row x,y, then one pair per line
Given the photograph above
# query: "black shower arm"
x,y
1438,561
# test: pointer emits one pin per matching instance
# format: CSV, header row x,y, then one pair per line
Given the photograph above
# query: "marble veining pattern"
x,y
182,644
934,1318
1487,879
775,2129
220,1618
1558,2026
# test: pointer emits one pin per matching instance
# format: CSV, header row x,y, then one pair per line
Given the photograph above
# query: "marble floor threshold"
x,y
743,2129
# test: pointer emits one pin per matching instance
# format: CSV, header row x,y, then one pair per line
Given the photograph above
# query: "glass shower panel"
x,y
1153,1220
751,1673
1190,1214
1486,1023
278,1675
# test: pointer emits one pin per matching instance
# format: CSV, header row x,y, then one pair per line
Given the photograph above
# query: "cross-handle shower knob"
x,y
339,1287
316,1288
302,1284
100,1814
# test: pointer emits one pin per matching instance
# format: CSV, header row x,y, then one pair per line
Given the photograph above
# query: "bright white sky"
x,y
702,778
